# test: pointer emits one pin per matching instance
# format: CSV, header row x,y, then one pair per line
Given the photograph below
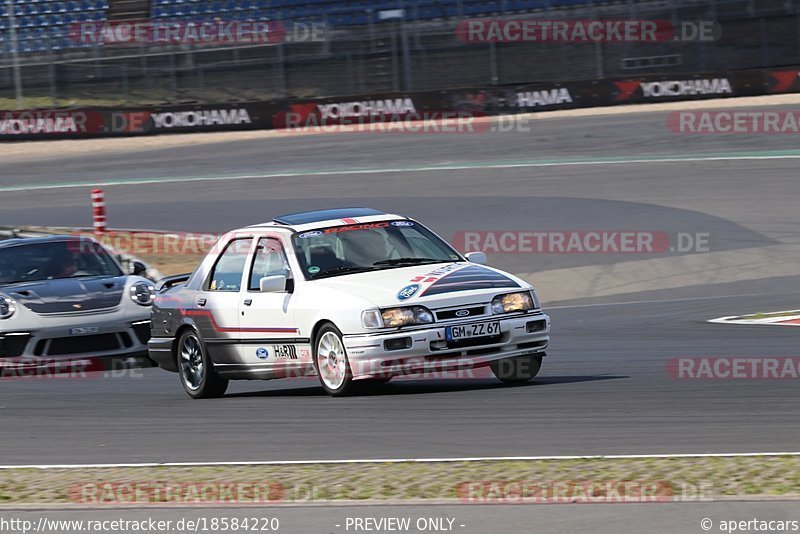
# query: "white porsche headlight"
x,y
7,308
142,293
513,302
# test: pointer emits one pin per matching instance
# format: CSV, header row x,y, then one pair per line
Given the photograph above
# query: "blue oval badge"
x,y
262,353
408,292
312,233
402,223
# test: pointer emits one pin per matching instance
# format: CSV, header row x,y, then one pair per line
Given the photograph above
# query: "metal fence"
x,y
403,56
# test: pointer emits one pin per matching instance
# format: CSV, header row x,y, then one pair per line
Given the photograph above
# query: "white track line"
x,y
426,168
657,301
406,460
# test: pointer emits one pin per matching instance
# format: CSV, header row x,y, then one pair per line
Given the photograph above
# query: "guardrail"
x,y
394,107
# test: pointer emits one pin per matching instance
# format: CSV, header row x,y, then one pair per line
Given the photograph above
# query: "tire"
x,y
517,370
331,362
196,370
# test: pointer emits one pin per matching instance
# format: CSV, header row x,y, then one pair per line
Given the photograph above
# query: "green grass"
x,y
713,476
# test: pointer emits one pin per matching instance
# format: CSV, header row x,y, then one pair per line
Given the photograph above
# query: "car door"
x,y
217,304
270,339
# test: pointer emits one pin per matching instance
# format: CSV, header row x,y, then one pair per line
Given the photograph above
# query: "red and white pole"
x,y
99,210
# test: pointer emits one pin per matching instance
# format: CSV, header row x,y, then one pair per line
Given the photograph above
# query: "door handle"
x,y
248,302
201,302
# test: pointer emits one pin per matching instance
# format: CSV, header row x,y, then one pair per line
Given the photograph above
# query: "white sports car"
x,y
65,298
352,295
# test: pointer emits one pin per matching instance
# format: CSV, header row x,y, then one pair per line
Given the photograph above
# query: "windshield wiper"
x,y
342,270
409,261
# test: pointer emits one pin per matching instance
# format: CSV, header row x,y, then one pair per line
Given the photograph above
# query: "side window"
x,y
228,271
270,261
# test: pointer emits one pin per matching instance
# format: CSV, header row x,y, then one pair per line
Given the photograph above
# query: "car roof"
x,y
17,241
307,220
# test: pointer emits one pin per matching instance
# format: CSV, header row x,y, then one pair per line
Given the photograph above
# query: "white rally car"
x,y
351,295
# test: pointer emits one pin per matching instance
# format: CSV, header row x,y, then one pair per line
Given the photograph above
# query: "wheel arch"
x,y
315,332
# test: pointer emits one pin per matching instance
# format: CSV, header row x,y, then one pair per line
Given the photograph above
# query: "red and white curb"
x,y
781,318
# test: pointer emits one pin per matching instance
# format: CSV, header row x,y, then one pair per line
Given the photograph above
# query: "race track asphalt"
x,y
618,319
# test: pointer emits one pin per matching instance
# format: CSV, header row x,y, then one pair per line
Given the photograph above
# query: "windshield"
x,y
54,260
367,247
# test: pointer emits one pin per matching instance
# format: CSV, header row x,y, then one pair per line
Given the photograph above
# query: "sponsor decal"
x,y
305,353
313,115
544,97
350,228
313,269
288,352
408,292
367,108
402,223
626,89
313,233
27,123
785,80
193,119
669,88
262,353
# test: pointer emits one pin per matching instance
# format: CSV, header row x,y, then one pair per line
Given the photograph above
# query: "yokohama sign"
x,y
629,90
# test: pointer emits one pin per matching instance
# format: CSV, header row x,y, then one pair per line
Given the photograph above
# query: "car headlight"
x,y
7,308
371,319
513,302
396,317
142,293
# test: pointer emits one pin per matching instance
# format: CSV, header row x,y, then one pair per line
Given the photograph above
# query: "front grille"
x,y
11,346
453,314
62,346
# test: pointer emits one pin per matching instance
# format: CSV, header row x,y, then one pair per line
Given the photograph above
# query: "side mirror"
x,y
138,268
272,284
476,257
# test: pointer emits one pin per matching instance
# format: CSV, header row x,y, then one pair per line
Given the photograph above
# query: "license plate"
x,y
465,331
83,330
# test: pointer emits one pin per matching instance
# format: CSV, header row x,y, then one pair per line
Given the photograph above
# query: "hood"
x,y
429,285
68,294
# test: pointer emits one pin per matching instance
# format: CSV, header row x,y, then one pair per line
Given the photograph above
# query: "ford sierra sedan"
x,y
351,295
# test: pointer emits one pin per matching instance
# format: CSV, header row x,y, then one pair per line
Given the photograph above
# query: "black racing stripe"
x,y
467,279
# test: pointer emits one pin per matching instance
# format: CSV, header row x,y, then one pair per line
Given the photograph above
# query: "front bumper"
x,y
429,349
71,338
